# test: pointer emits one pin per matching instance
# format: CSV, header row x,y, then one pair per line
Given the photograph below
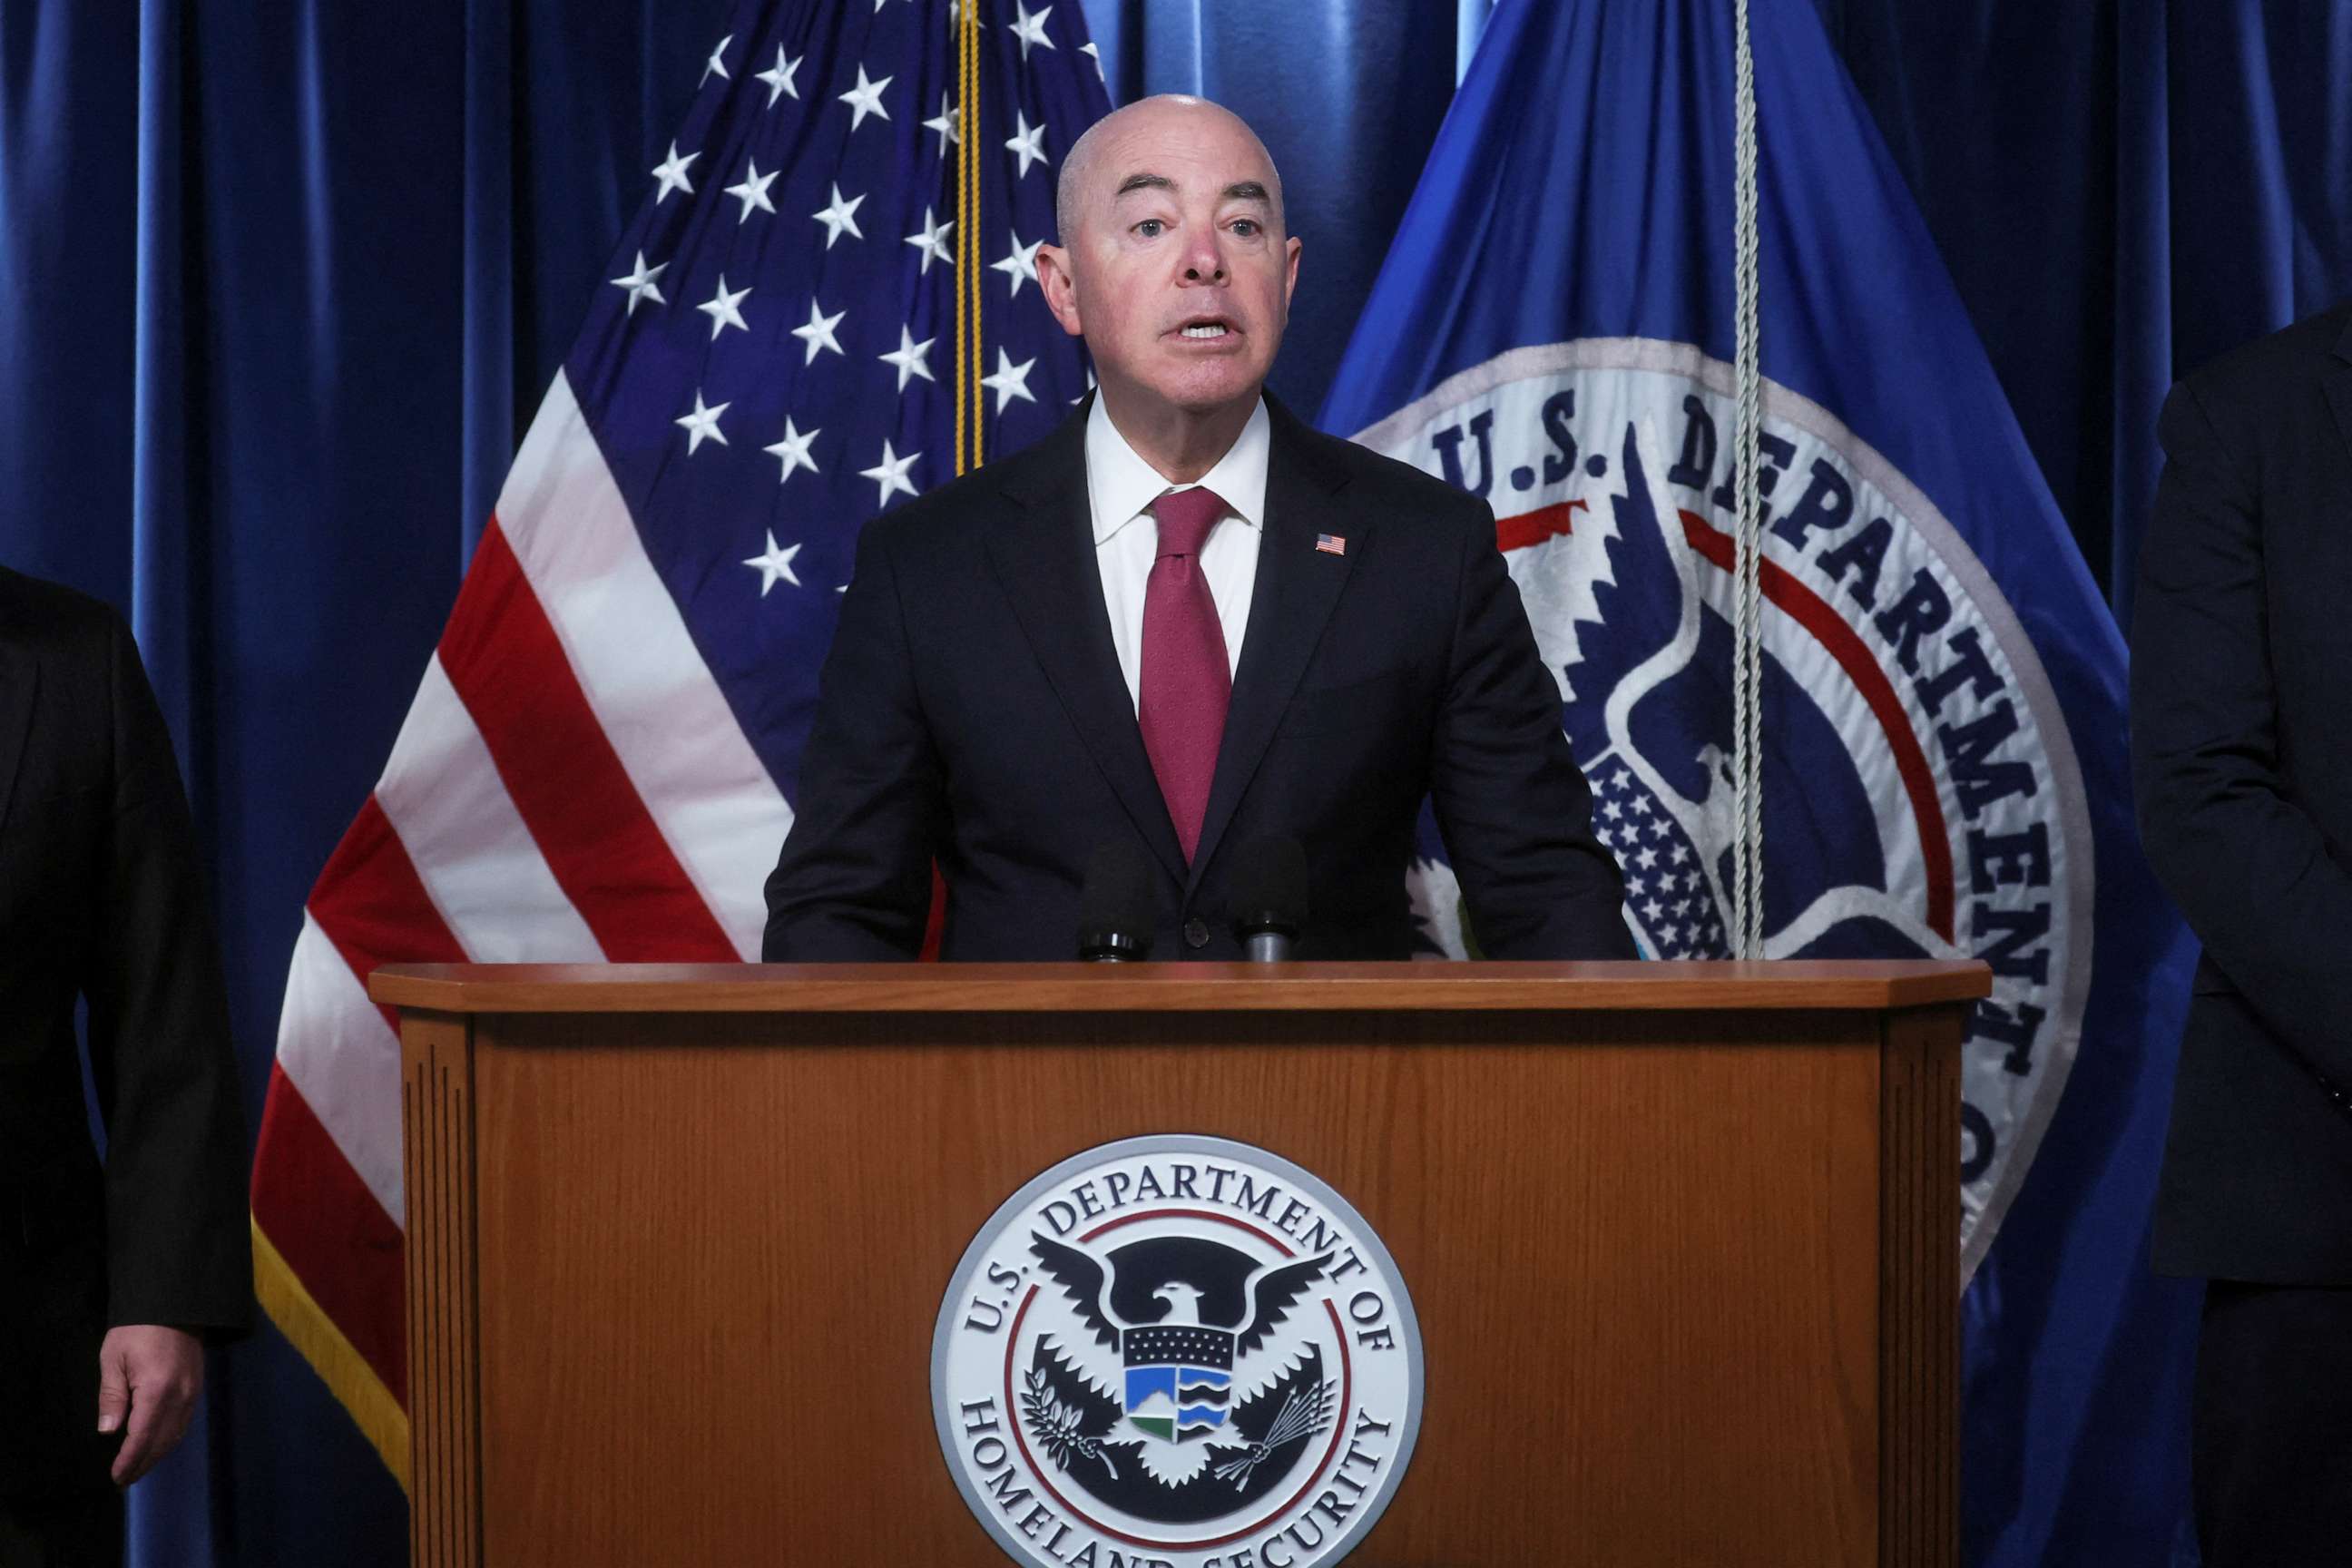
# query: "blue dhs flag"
x,y
1944,773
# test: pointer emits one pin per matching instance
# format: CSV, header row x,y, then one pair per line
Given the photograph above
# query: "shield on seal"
x,y
1178,1380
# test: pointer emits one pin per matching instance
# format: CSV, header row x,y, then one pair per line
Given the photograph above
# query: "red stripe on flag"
x,y
331,1232
372,905
1534,527
607,854
1803,605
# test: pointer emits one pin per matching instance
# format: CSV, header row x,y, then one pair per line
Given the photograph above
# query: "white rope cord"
x,y
1747,588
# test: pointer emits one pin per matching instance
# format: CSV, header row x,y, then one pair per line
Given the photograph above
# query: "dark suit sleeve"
x,y
853,881
161,1056
2263,887
1511,802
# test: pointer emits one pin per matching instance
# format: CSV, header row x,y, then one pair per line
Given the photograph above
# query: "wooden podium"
x,y
1683,1239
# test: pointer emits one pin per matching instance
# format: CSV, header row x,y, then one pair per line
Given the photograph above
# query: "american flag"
x,y
813,317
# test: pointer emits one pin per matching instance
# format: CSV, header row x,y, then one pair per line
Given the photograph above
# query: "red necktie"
x,y
1187,681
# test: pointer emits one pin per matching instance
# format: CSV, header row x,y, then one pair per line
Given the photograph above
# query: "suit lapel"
x,y
2337,383
20,675
1295,589
1046,561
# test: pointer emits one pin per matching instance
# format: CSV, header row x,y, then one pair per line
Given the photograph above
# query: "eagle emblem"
x,y
1179,1354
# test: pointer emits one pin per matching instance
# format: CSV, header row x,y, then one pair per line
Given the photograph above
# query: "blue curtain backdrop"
x,y
281,282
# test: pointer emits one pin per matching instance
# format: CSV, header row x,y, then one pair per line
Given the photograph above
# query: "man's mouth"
x,y
1206,328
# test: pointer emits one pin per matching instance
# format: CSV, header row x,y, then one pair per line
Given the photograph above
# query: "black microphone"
x,y
1116,911
1269,898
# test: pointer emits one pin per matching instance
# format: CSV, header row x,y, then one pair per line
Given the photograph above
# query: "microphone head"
x,y
1270,889
1117,911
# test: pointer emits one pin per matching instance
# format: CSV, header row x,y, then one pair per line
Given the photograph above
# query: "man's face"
x,y
1178,275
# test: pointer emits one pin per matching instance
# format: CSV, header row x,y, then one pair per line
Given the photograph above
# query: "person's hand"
x,y
149,1376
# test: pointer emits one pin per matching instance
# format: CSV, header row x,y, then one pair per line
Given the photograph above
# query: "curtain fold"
x,y
2122,192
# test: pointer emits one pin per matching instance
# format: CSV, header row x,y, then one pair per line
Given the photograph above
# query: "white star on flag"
x,y
721,308
716,65
1011,381
932,241
1028,144
910,357
1021,266
890,473
671,173
948,126
818,333
955,16
1088,48
794,449
1031,29
865,99
640,283
774,564
703,424
841,214
753,192
779,78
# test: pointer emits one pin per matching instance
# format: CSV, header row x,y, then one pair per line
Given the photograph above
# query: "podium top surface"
x,y
1658,987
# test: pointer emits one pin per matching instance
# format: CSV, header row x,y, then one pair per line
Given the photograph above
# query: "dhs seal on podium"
x,y
1177,1352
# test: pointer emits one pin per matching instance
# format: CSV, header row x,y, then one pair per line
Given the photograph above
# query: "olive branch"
x,y
1304,1414
1056,1425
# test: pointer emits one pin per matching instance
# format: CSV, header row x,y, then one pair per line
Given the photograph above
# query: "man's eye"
x,y
1245,226
1149,228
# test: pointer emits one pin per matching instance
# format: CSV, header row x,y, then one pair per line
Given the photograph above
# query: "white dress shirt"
x,y
1121,487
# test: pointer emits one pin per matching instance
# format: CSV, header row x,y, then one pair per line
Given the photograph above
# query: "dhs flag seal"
x,y
1944,766
1177,1352
1921,793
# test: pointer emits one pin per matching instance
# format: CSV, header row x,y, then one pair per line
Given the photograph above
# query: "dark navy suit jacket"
x,y
971,710
2241,755
101,900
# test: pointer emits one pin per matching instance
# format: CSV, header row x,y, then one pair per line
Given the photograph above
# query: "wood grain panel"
x,y
436,1122
1171,987
1919,1287
1643,1247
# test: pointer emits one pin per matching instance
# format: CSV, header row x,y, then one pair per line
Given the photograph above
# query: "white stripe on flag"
x,y
480,864
336,1047
701,779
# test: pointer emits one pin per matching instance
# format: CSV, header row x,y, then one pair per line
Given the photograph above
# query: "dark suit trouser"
x,y
79,1528
59,1508
2272,1427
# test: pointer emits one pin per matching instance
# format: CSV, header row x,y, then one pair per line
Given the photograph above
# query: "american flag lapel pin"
x,y
1331,544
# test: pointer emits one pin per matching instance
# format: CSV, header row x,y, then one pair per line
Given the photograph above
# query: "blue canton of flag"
x,y
1944,767
773,361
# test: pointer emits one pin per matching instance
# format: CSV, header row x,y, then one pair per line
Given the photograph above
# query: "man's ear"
x,y
1290,270
1061,288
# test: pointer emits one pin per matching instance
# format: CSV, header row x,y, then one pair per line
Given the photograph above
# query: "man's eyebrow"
x,y
1247,191
1145,182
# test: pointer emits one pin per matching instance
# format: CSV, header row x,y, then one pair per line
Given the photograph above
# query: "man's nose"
x,y
1204,260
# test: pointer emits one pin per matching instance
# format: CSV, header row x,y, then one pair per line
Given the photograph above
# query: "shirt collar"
x,y
1121,484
